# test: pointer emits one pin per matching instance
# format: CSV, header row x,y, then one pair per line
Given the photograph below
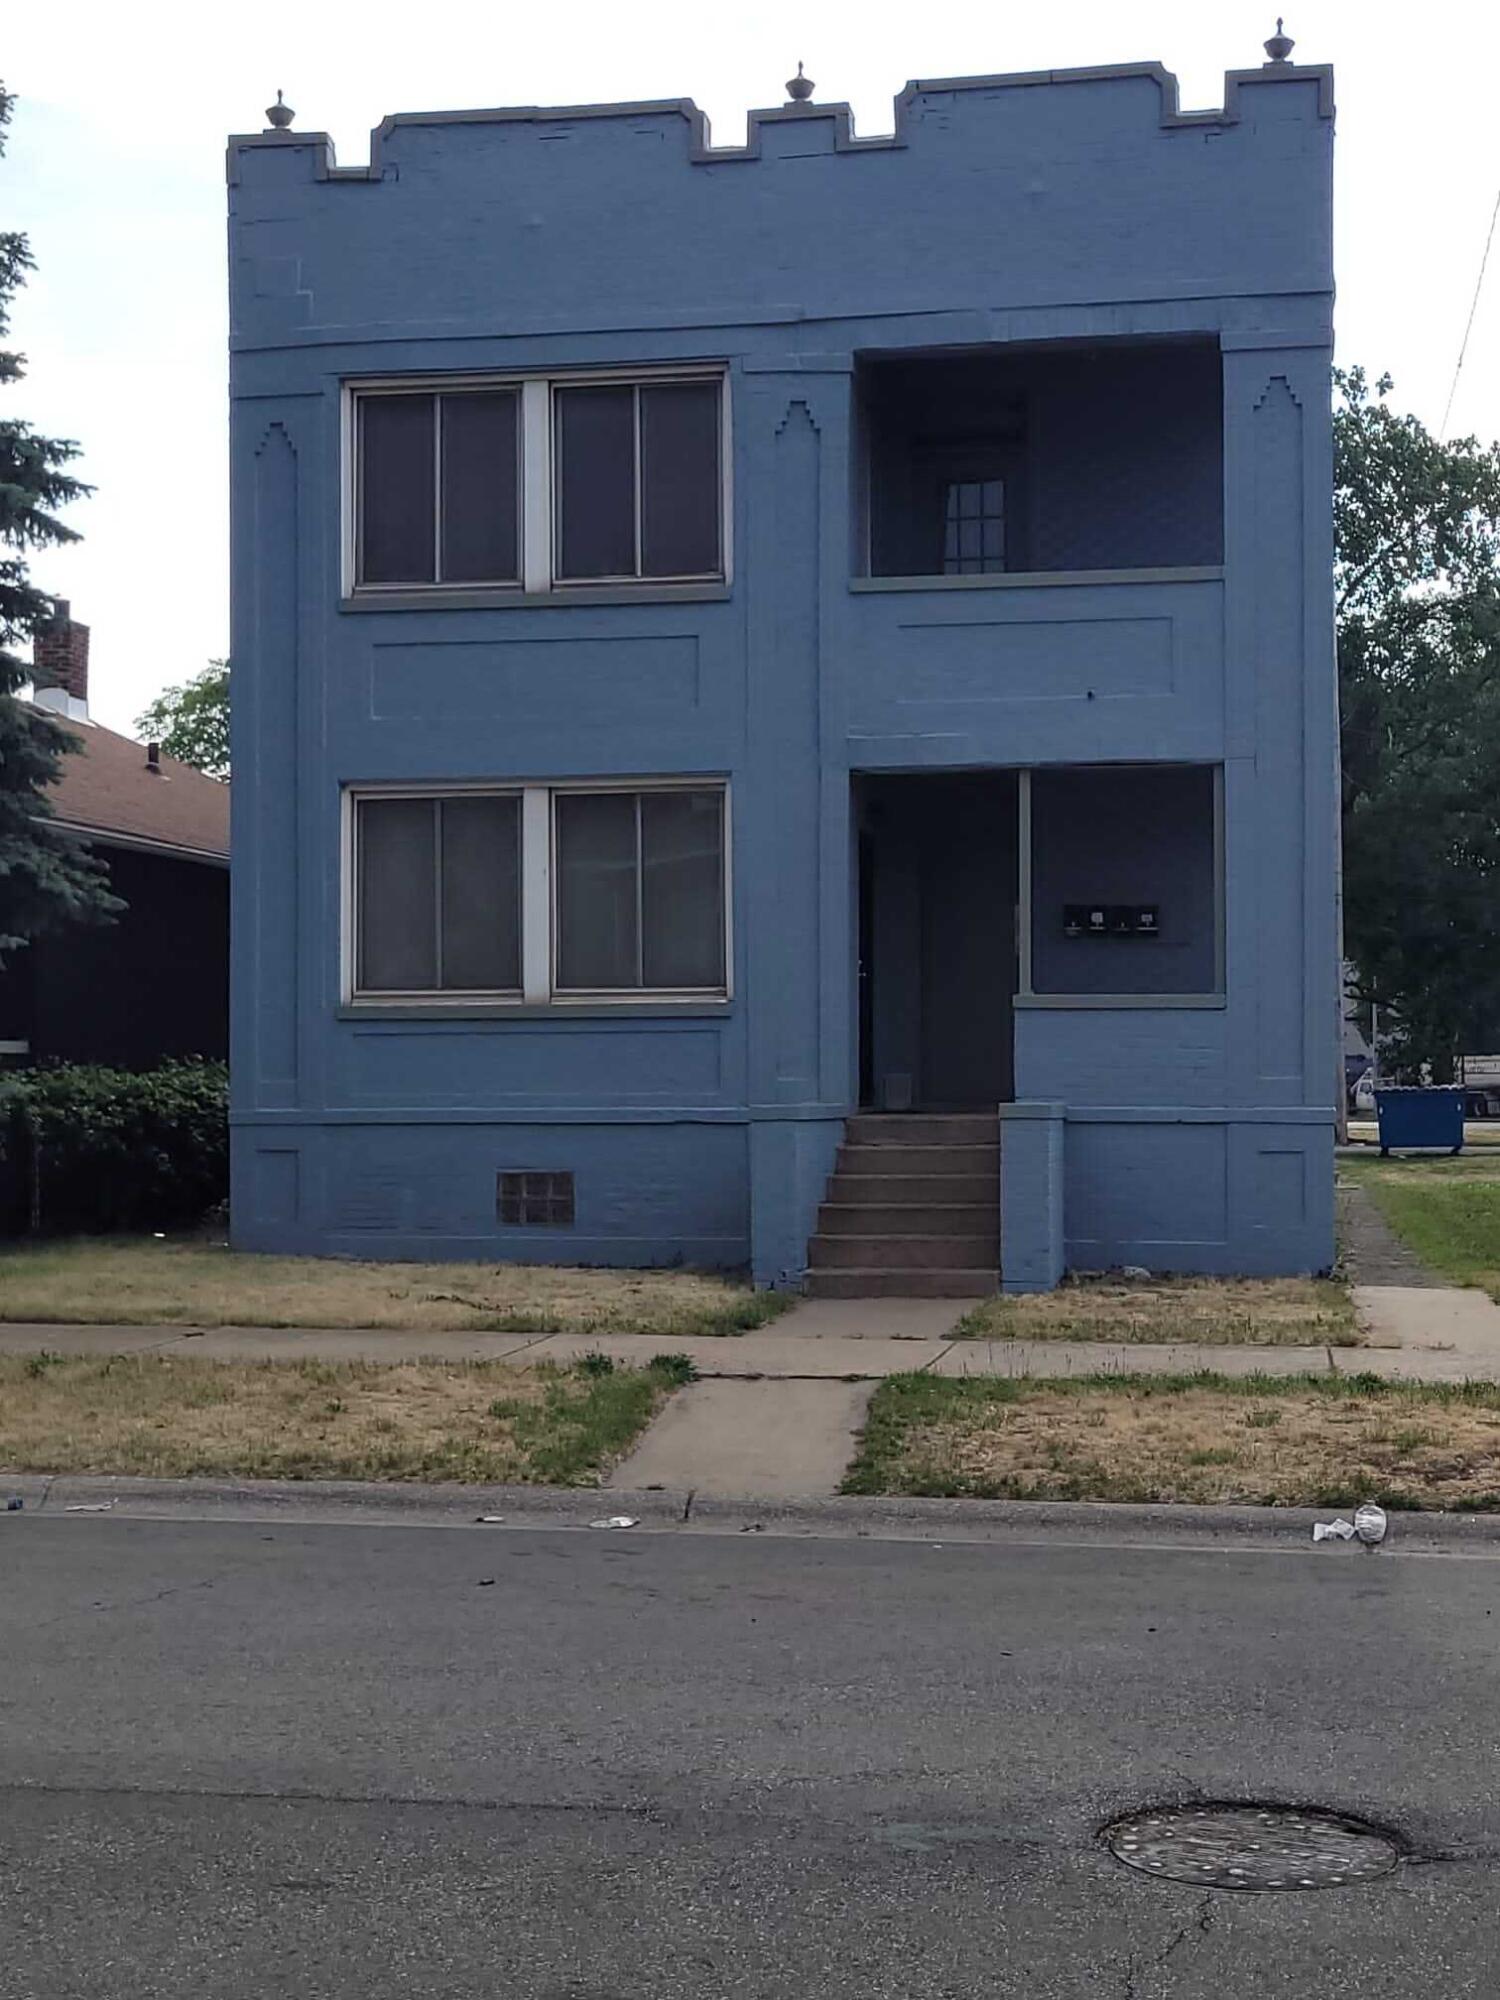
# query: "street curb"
x,y
1060,1523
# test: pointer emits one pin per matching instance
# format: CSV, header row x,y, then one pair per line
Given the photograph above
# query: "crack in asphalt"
x,y
125,1603
101,1606
649,1813
899,1838
1137,1968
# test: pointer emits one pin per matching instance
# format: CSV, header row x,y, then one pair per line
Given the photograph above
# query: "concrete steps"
x,y
857,1284
912,1209
922,1128
899,1253
879,1219
857,1190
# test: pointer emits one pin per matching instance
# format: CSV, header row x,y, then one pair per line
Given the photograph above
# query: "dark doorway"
x,y
937,939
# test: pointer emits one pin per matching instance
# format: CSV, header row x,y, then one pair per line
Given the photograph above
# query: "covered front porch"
x,y
1092,889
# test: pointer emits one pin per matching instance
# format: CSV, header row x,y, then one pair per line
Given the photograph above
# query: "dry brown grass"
x,y
113,1281
168,1417
1278,1441
1269,1312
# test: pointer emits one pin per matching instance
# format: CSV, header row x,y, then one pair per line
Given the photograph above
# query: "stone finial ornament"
x,y
800,88
279,115
1280,46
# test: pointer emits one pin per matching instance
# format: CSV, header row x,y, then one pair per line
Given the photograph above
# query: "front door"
x,y
937,938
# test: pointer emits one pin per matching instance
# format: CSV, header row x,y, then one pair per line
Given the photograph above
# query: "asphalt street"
x,y
245,1758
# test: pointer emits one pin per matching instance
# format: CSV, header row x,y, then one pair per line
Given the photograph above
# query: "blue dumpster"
x,y
1421,1115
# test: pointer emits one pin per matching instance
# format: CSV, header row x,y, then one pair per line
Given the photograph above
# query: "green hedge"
x,y
87,1148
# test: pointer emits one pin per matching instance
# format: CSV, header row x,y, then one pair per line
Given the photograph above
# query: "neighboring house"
x,y
725,637
155,982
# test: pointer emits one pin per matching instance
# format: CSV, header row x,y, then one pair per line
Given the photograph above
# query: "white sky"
x,y
115,167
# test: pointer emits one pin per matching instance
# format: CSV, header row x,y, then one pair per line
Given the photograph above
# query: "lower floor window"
x,y
439,894
538,892
640,891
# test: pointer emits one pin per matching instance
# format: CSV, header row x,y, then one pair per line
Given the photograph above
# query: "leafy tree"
x,y
191,722
46,879
1418,594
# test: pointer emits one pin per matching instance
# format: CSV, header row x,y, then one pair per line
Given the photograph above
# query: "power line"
x,y
1469,325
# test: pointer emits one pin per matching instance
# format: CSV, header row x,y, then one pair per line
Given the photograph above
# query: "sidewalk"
x,y
1444,1336
777,1412
1406,1310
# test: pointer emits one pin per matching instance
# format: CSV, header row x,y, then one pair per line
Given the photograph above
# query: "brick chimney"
x,y
60,665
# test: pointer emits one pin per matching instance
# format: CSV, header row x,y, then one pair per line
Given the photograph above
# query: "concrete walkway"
x,y
777,1440
1417,1322
1445,1335
776,1413
1404,1309
875,1319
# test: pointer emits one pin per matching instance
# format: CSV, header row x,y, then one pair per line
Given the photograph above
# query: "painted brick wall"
x,y
1079,208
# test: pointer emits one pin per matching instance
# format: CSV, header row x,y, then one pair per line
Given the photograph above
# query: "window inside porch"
x,y
1072,456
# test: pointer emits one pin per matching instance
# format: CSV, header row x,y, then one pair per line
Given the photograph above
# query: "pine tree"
x,y
46,879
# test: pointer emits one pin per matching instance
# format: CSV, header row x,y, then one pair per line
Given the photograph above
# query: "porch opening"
x,y
1126,890
1073,456
937,939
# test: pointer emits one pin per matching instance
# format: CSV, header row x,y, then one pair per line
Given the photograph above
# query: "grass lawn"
x,y
171,1418
1280,1441
190,1282
1274,1312
1446,1210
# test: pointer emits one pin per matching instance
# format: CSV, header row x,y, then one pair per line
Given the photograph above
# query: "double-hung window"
x,y
438,893
538,893
439,486
636,480
541,483
639,891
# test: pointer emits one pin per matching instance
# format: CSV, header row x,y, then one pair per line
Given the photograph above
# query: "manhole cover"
x,y
1251,1847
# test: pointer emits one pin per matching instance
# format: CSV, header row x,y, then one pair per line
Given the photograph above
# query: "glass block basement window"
x,y
535,1200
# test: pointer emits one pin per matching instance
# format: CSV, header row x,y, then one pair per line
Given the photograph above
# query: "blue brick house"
x,y
785,706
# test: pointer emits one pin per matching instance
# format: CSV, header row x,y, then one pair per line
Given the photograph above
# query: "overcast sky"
x,y
115,167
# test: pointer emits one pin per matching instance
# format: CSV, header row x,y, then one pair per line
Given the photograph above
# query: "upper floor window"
x,y
440,487
637,480
539,482
974,527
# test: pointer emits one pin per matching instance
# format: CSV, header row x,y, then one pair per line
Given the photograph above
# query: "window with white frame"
x,y
537,893
438,893
639,891
538,482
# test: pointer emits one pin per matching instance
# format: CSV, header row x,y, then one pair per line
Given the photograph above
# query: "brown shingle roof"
x,y
107,788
